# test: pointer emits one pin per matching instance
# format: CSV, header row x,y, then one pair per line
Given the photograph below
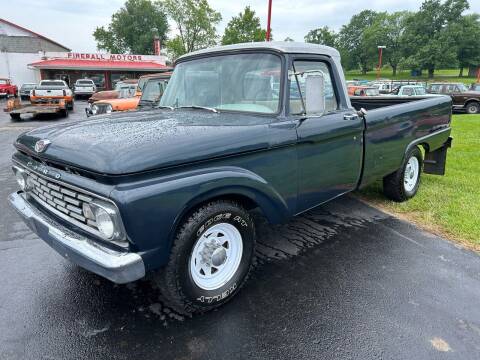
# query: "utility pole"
x,y
269,19
380,53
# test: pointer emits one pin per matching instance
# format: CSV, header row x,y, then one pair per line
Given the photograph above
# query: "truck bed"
x,y
394,124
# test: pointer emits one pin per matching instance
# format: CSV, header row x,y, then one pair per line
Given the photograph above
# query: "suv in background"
x,y
463,98
84,87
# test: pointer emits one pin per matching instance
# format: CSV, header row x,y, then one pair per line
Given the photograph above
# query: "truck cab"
x,y
464,99
266,126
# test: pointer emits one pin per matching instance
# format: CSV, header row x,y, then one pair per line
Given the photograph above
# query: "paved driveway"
x,y
344,281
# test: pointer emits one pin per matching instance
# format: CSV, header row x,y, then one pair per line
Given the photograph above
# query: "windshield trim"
x,y
279,54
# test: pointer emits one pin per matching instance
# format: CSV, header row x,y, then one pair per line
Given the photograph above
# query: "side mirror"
x,y
314,94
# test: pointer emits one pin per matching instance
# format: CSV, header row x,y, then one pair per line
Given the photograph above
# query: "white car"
x,y
413,90
84,87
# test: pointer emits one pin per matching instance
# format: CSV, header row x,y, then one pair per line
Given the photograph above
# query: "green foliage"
x,y
322,36
428,35
133,28
195,21
438,35
244,28
359,50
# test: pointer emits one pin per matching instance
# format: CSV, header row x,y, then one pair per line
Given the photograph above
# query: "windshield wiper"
x,y
164,107
197,107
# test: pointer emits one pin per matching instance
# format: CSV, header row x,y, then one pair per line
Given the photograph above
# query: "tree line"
x,y
438,35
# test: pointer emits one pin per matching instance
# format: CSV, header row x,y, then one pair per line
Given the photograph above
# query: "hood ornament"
x,y
41,145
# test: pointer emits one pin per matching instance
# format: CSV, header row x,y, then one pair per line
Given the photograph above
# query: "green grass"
x,y
450,204
450,75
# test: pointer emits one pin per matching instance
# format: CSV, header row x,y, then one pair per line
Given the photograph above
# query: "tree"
x,y
322,36
430,41
356,48
195,21
466,32
244,28
388,30
133,28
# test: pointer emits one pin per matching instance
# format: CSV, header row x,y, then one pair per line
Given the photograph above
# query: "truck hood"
x,y
126,143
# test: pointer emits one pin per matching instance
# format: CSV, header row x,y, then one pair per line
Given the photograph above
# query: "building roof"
x,y
280,46
33,33
76,64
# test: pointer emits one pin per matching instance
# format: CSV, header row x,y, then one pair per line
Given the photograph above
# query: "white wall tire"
x,y
403,184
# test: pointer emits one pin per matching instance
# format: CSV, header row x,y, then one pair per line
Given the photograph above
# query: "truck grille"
x,y
63,201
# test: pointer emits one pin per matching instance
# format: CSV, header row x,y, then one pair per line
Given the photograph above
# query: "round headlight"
x,y
94,109
104,222
20,179
108,109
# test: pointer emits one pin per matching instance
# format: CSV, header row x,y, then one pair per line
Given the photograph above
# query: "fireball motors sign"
x,y
108,57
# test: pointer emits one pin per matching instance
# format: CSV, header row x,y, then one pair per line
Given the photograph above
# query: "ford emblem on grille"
x,y
41,145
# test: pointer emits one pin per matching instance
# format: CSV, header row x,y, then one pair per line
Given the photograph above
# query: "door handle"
x,y
350,117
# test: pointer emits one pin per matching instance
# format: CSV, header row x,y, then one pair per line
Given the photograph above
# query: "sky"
x,y
72,22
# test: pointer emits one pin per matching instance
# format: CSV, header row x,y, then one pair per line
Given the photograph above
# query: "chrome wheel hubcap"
x,y
216,256
412,171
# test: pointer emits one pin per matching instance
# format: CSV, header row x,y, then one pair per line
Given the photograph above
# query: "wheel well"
x,y
243,200
472,101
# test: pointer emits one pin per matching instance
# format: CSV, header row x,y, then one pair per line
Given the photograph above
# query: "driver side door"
x,y
329,145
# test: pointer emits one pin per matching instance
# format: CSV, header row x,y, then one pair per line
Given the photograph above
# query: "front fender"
x,y
152,209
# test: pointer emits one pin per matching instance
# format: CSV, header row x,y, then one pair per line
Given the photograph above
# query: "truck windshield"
x,y
240,82
153,90
52,83
3,82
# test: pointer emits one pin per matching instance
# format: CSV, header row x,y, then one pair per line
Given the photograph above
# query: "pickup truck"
x,y
463,98
84,87
51,91
7,88
169,191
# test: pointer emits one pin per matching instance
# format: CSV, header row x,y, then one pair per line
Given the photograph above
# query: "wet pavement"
x,y
344,281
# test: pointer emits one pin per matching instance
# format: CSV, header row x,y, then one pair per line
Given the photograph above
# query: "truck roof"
x,y
279,46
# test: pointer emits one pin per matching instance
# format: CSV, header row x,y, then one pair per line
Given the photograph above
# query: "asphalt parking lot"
x,y
344,281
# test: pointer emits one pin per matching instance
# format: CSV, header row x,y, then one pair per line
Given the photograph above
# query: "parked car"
x,y
384,87
7,88
49,91
363,91
463,98
172,189
127,99
114,94
152,90
411,90
84,87
25,90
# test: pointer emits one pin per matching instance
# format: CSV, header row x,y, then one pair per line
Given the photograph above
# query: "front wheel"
x,y
403,184
210,259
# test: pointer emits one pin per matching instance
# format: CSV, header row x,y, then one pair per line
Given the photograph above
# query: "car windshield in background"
x,y
28,86
52,83
372,92
153,91
3,82
240,82
85,82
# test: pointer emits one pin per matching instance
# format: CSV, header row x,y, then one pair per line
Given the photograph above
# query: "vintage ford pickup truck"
x,y
265,126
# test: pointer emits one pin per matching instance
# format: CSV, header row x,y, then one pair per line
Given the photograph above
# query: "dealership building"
x,y
26,56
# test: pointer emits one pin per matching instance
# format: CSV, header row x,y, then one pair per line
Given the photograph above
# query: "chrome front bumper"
x,y
117,266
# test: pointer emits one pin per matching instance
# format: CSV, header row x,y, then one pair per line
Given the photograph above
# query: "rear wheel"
x,y
70,105
64,112
403,184
473,107
211,258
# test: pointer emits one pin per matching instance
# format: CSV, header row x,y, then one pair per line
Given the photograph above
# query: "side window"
x,y
299,73
450,88
408,91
